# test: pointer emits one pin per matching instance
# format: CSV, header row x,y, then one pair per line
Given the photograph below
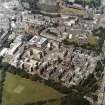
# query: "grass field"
x,y
19,91
72,10
92,40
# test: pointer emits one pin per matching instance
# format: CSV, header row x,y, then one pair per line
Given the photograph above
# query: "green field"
x,y
19,91
92,40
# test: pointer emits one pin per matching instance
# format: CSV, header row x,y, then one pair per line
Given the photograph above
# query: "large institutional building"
x,y
103,2
48,5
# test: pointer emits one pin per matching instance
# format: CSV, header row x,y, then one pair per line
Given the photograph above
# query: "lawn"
x,y
92,40
72,10
19,91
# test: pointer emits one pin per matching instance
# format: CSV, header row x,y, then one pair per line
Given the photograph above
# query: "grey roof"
x,y
4,22
48,2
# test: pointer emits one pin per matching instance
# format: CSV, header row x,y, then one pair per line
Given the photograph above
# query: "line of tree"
x,y
2,80
91,3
